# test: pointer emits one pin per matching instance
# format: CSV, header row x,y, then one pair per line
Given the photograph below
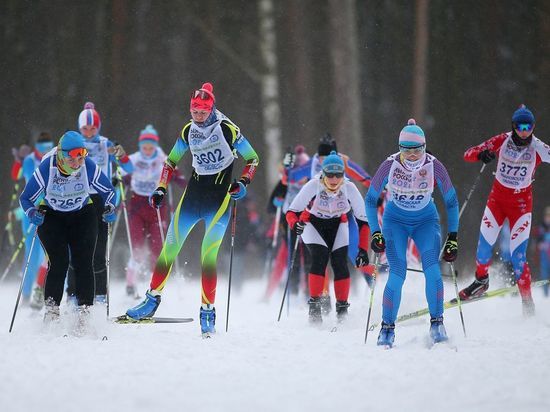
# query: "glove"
x,y
237,190
109,215
118,151
156,198
278,201
36,216
450,250
362,258
486,156
115,181
299,227
288,160
378,243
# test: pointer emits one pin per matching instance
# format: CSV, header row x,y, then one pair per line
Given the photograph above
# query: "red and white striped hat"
x,y
89,117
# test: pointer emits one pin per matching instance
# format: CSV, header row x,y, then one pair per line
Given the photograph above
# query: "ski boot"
x,y
386,335
82,324
145,309
437,330
475,290
208,320
37,299
52,312
315,310
326,304
528,307
341,310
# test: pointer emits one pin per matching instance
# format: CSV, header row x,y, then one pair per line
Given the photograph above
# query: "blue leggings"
x,y
426,234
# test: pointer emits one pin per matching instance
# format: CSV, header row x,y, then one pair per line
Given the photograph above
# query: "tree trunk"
x,y
344,52
421,34
271,110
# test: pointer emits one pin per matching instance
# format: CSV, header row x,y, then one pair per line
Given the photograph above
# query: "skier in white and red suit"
x,y
518,154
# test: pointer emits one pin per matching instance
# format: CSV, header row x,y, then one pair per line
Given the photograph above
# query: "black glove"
x,y
450,250
486,156
299,227
115,181
362,258
157,197
378,243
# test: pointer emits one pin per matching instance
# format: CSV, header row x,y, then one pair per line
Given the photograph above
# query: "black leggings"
x,y
327,229
73,234
100,262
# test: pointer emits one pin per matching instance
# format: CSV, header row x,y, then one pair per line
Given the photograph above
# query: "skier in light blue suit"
x,y
411,175
42,146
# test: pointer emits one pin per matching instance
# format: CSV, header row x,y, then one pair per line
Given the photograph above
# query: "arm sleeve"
x,y
356,172
28,168
493,144
449,195
35,186
245,149
378,183
175,155
101,183
16,171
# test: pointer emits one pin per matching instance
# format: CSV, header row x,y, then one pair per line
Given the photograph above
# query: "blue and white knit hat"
x,y
412,135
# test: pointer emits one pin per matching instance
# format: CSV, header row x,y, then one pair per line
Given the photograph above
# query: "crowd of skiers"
x,y
84,180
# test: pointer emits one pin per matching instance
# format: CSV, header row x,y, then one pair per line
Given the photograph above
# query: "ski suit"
x,y
143,220
98,151
352,171
69,230
326,233
511,197
411,213
212,145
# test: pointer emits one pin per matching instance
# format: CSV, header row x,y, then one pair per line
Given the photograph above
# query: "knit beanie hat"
x,y
333,163
523,115
412,135
89,117
203,99
149,135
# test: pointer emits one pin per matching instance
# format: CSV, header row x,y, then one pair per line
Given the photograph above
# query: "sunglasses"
x,y
330,175
201,94
523,127
412,150
76,153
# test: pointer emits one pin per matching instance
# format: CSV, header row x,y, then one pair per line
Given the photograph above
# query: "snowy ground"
x,y
263,365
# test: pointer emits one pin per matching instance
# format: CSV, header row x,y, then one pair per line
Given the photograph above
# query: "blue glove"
x,y
237,190
278,201
36,216
109,215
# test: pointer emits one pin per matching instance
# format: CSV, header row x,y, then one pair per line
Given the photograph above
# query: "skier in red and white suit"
x,y
518,154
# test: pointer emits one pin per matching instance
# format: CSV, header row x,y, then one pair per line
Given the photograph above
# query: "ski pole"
x,y
269,258
160,225
15,254
233,230
117,222
108,264
375,274
23,279
458,296
125,212
294,253
476,181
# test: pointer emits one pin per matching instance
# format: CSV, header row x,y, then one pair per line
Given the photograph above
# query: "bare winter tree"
x,y
344,50
420,60
270,90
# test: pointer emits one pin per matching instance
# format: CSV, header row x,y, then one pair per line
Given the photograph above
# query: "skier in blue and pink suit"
x,y
410,176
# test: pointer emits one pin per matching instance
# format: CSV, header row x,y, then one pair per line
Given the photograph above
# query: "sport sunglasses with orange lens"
x,y
76,153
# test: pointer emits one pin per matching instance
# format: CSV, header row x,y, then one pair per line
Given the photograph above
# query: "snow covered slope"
x,y
263,365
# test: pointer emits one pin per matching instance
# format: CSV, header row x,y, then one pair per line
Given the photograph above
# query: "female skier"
x,y
411,175
519,153
212,139
66,221
319,214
